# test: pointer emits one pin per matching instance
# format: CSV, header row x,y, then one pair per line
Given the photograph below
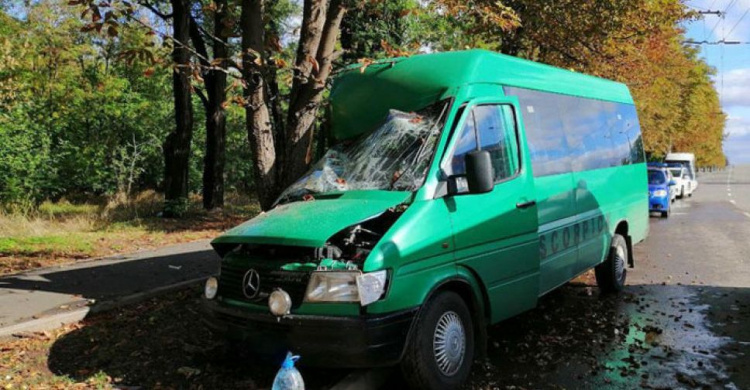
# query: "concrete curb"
x,y
58,320
45,323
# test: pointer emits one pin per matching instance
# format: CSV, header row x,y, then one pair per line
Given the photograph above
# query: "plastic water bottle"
x,y
288,378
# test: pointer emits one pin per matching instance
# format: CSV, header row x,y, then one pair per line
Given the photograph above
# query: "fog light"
x,y
280,303
212,286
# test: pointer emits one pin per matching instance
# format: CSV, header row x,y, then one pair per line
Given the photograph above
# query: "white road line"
x,y
747,214
732,201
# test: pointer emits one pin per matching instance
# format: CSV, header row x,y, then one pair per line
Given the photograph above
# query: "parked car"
x,y
456,193
681,176
661,192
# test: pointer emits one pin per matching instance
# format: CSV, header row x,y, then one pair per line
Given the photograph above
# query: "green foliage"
x,y
370,24
85,114
81,120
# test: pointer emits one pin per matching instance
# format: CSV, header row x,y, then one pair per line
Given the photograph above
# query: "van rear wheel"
x,y
611,274
440,350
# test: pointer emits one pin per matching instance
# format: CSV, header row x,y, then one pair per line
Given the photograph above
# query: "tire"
x,y
443,316
682,193
611,274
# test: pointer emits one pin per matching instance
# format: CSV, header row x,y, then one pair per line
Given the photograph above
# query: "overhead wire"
x,y
723,13
736,24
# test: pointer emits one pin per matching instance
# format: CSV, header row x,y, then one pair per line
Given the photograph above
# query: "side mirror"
x,y
672,183
479,172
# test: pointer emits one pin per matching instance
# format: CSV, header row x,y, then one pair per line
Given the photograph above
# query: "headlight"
x,y
332,286
346,286
660,193
212,286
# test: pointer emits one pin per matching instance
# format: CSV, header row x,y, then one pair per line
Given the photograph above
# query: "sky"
x,y
732,63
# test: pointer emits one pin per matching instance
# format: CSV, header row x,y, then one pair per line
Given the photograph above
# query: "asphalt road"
x,y
31,297
681,323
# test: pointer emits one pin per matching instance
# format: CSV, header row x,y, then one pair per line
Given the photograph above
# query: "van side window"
x,y
492,128
572,134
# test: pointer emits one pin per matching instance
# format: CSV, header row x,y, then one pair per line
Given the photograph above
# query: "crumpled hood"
x,y
312,223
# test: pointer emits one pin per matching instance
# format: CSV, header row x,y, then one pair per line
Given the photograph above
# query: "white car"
x,y
672,189
686,160
684,182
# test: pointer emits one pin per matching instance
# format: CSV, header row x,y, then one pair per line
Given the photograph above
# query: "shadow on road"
x,y
163,343
651,336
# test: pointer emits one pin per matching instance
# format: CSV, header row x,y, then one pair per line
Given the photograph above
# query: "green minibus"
x,y
460,188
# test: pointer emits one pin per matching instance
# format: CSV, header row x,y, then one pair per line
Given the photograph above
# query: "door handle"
x,y
525,205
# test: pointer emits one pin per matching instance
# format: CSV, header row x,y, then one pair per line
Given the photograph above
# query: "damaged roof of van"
x,y
360,99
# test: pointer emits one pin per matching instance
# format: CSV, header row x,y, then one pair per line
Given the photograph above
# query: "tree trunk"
x,y
258,119
177,144
216,133
315,55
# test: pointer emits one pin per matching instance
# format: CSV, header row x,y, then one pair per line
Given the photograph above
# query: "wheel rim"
x,y
619,262
449,343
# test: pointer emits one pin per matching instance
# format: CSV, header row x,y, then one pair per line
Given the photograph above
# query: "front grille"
x,y
271,278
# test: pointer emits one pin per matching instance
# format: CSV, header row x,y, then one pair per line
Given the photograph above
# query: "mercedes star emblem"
x,y
251,284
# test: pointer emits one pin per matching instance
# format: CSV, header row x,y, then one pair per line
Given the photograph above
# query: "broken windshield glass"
x,y
395,156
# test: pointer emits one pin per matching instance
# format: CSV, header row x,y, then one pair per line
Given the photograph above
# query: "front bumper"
x,y
658,204
364,341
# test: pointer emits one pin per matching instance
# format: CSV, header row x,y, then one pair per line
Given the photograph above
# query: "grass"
x,y
61,232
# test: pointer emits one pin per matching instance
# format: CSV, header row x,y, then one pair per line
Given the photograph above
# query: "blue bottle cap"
x,y
289,361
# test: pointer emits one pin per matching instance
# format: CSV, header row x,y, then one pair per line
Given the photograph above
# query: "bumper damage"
x,y
346,342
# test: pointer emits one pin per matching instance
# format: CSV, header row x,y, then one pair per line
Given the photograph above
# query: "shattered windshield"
x,y
395,156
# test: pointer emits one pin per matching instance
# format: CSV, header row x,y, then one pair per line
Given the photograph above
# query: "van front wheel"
x,y
440,350
611,274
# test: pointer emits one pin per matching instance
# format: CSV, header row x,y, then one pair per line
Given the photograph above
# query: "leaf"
x,y
148,72
275,43
188,371
364,63
112,31
280,63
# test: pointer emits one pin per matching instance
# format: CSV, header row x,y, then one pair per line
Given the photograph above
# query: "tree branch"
x,y
198,42
201,95
156,11
327,48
